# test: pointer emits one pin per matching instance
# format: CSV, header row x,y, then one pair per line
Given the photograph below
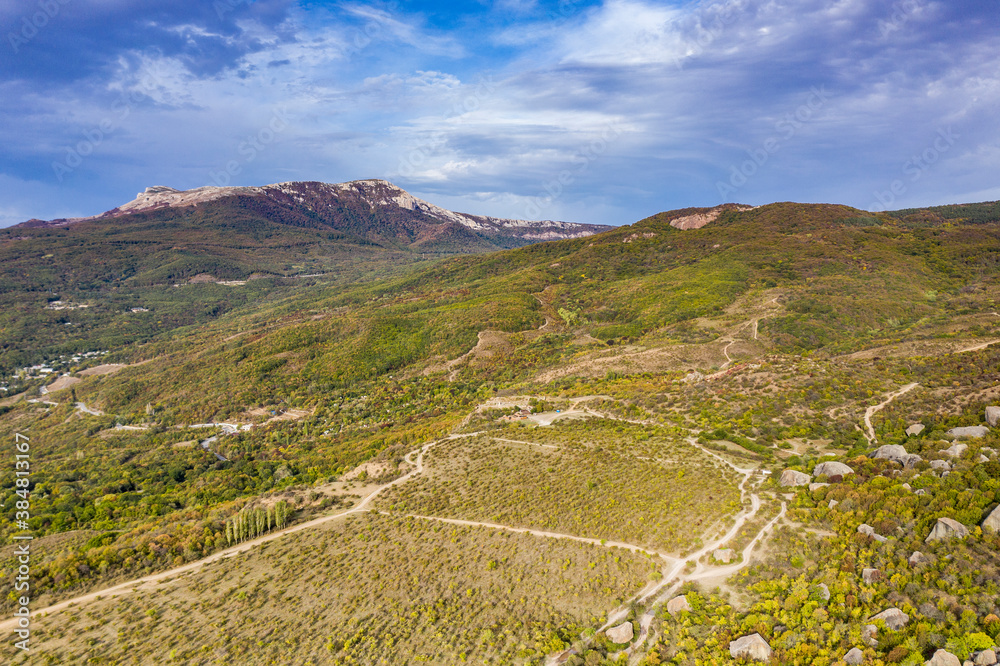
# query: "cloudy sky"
x,y
581,110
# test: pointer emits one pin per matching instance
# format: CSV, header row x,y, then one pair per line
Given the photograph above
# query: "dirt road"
x,y
870,434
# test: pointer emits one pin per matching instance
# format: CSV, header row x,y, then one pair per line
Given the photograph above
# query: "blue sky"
x,y
580,110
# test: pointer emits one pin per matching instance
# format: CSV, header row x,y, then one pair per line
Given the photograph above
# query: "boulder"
x,y
914,429
752,646
969,431
941,465
943,658
854,657
955,450
678,604
623,633
993,415
946,528
906,487
870,576
824,591
817,486
917,558
831,468
985,658
988,451
894,618
724,555
982,458
920,491
896,453
792,478
868,635
992,522
864,528
832,504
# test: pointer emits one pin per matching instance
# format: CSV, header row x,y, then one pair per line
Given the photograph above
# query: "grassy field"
x,y
373,590
664,501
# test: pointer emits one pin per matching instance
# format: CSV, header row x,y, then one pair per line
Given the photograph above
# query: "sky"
x,y
578,110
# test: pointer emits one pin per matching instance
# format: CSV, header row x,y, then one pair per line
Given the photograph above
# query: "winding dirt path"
x,y
870,434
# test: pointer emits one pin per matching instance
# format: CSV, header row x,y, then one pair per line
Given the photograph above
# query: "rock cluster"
x,y
865,528
896,453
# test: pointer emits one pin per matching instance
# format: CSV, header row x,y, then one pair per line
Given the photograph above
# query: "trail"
x,y
978,347
82,407
148,581
540,533
870,435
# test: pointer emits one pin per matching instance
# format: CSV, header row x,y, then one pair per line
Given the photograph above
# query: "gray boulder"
x,y
917,558
623,633
941,465
870,576
817,486
724,555
946,528
678,604
854,657
831,468
969,431
865,528
824,591
894,618
868,635
832,504
955,450
943,658
792,478
753,646
914,429
896,453
992,522
988,451
993,415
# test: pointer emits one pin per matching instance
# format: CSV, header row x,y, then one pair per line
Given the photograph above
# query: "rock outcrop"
x,y
894,618
993,415
969,431
896,453
870,576
790,477
914,429
621,634
854,656
678,604
831,468
946,528
992,522
955,450
940,465
753,647
724,555
865,528
943,658
985,658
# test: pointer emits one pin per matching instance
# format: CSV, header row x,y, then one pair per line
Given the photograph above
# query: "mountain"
x,y
375,211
